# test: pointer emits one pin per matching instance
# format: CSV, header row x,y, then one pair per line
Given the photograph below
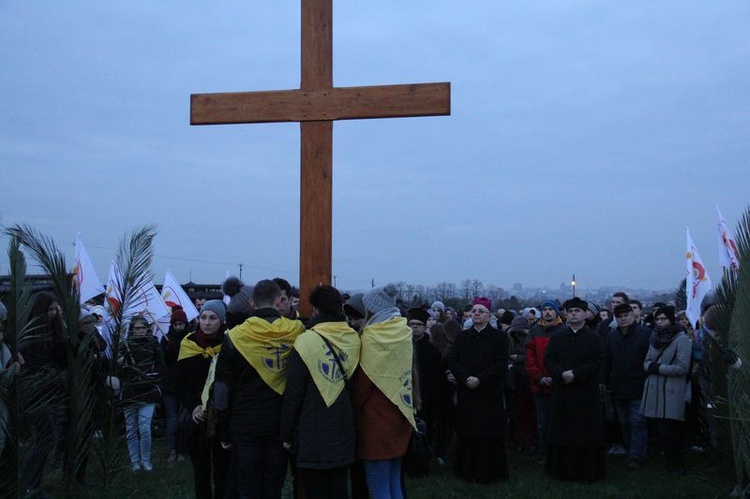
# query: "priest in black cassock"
x,y
576,424
478,362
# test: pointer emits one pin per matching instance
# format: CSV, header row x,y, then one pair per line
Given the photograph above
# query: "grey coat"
x,y
664,393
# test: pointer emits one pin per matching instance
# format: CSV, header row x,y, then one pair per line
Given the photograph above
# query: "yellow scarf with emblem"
x,y
319,360
266,346
386,358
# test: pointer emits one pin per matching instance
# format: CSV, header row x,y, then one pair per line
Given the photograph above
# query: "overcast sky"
x,y
584,137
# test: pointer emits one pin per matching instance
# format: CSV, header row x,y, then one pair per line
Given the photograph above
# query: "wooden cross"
x,y
315,105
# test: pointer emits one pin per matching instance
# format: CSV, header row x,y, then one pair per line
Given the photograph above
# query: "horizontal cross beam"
x,y
336,103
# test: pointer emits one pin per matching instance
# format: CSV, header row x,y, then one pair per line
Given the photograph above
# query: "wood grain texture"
x,y
338,103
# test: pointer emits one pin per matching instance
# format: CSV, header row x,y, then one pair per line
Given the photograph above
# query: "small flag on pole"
x,y
173,295
698,283
728,255
84,275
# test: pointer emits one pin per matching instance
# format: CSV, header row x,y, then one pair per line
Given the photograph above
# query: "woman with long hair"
x,y
142,364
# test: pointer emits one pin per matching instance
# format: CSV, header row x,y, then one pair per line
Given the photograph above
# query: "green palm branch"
x,y
737,293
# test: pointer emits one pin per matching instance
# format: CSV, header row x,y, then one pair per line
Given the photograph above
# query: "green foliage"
x,y
739,341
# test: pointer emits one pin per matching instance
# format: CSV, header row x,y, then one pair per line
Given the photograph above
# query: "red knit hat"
x,y
178,315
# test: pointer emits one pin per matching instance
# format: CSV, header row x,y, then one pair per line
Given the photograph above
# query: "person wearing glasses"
x,y
478,363
667,364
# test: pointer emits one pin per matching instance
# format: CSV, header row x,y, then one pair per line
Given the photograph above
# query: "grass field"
x,y
707,477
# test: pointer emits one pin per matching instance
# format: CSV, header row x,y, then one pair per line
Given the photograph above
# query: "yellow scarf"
x,y
386,358
266,346
317,356
189,348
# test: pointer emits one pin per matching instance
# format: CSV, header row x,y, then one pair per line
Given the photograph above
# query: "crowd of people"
x,y
250,389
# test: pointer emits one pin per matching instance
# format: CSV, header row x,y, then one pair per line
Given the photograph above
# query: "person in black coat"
x,y
430,374
574,358
623,375
197,350
321,436
478,361
170,346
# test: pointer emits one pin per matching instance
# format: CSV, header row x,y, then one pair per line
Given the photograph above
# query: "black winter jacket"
x,y
324,435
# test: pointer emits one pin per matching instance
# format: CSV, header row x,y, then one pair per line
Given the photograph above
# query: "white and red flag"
x,y
173,295
142,299
728,255
698,283
84,275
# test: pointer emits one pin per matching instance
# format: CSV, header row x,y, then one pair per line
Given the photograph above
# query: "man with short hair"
x,y
539,377
605,326
576,432
285,304
625,349
249,387
637,307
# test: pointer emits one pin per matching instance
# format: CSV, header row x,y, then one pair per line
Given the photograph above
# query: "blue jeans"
x,y
138,432
384,478
634,427
259,464
171,408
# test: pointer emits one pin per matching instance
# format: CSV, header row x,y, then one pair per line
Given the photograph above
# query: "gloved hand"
x,y
653,368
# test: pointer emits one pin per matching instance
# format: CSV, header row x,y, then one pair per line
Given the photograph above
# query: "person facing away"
x,y
249,386
317,420
383,397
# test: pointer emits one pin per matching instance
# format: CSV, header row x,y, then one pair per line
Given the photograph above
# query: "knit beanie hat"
x,y
438,304
667,310
239,296
594,308
551,304
418,314
178,315
354,303
217,307
380,298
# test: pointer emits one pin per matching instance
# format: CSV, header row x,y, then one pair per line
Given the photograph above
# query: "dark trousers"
x,y
210,466
480,459
670,434
260,464
324,484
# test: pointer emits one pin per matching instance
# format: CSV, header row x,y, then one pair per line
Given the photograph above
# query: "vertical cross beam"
x,y
316,152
